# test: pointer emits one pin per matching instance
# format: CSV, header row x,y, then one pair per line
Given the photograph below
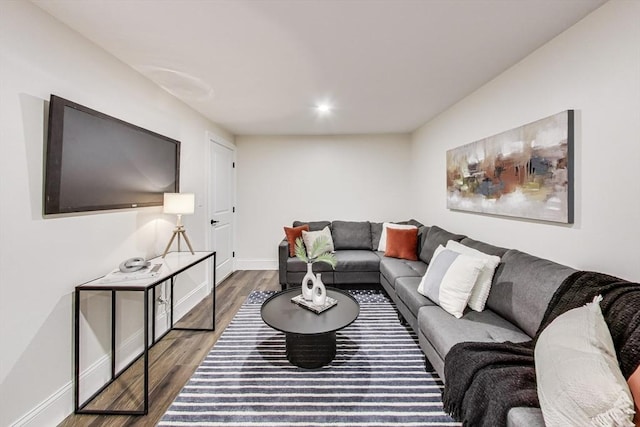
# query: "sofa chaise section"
x,y
521,290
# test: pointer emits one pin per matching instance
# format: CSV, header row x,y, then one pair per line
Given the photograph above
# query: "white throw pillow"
x,y
481,289
578,377
382,246
309,237
449,279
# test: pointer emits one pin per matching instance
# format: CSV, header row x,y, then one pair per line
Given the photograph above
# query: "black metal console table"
x,y
173,264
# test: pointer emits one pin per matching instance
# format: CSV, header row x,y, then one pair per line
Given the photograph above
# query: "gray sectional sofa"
x,y
521,289
355,243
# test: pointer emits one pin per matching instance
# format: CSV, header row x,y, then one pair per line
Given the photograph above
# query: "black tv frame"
x,y
53,158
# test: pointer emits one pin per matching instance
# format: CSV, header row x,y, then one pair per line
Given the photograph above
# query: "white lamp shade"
x,y
179,203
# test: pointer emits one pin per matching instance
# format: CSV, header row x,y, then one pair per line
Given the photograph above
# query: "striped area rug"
x,y
378,377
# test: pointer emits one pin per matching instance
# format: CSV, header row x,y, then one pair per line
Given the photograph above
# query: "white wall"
x,y
594,68
42,260
287,178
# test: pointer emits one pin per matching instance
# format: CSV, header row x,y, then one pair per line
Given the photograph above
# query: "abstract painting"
x,y
525,172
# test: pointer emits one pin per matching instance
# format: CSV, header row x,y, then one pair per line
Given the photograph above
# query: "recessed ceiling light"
x,y
323,108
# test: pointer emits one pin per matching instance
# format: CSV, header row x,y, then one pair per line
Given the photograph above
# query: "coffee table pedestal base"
x,y
311,350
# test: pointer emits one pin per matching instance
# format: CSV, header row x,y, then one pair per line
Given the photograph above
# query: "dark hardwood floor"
x,y
173,360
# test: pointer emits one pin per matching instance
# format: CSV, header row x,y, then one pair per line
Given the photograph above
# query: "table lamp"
x,y
179,204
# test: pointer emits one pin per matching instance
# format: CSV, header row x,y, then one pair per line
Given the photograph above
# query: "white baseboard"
x,y
256,264
51,411
55,408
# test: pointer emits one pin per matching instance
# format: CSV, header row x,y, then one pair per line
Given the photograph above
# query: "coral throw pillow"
x,y
292,234
402,243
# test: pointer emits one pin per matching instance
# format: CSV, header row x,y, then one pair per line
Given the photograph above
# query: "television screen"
x,y
97,162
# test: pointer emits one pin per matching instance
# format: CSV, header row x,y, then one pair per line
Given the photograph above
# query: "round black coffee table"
x,y
310,337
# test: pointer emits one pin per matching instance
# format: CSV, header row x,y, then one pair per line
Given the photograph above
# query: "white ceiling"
x,y
259,67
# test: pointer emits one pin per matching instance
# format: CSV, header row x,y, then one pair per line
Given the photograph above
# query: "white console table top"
x,y
172,264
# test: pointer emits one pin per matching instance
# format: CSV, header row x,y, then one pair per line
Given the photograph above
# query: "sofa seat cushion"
x,y
443,330
522,288
294,278
351,235
357,260
297,265
393,268
407,291
356,277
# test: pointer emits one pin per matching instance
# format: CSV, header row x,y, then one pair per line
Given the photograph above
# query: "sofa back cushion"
x,y
313,225
422,237
351,235
484,247
422,231
522,288
436,236
376,233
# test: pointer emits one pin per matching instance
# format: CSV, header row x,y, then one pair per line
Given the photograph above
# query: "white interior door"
x,y
222,207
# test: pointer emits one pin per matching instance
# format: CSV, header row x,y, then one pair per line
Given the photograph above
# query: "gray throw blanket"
x,y
485,380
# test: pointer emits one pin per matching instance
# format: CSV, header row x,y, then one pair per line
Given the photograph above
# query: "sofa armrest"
x,y
283,255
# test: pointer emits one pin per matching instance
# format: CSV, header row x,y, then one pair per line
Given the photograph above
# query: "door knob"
x,y
214,222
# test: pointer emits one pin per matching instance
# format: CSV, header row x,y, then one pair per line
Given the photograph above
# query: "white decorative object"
x,y
319,291
308,283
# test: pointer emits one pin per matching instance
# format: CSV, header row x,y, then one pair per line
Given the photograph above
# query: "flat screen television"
x,y
97,162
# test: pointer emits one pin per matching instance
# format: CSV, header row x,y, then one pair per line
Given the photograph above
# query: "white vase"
x,y
319,291
308,283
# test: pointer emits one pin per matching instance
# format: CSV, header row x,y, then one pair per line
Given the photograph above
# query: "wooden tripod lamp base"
x,y
179,230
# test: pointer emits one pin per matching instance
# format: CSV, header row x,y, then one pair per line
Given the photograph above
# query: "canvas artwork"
x,y
525,172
